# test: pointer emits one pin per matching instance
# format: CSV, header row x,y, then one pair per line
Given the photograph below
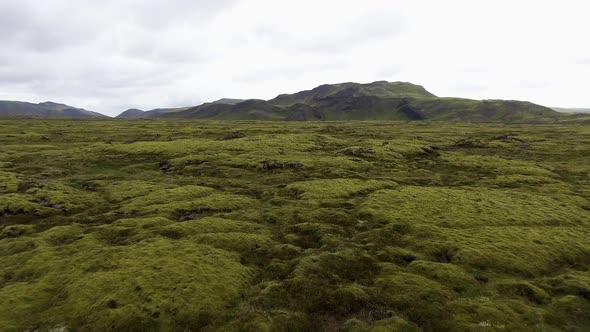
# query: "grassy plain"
x,y
274,226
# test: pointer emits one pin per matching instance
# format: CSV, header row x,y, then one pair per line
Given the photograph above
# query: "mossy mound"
x,y
470,207
515,250
484,313
498,165
337,188
424,301
184,202
154,284
66,198
9,182
124,190
450,275
17,203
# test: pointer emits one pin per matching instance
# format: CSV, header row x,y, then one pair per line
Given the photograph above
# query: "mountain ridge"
x,y
48,109
380,100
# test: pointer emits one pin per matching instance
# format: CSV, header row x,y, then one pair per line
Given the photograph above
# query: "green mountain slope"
x,y
132,113
46,110
252,109
166,112
155,113
380,89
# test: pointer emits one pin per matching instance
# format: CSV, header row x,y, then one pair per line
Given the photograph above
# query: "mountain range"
x,y
374,101
379,100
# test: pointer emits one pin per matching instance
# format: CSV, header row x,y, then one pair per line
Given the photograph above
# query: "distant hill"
x,y
252,109
231,101
45,110
135,113
132,113
374,101
571,110
164,112
381,89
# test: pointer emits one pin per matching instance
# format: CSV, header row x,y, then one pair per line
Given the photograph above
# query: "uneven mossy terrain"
x,y
273,226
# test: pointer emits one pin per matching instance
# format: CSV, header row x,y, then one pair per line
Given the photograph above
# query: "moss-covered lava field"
x,y
158,225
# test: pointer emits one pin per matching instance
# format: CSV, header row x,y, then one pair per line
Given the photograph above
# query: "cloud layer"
x,y
112,55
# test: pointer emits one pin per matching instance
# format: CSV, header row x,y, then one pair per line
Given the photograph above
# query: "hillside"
x,y
374,101
135,113
45,110
171,112
381,89
252,109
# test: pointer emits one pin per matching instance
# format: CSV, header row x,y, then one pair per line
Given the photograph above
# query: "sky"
x,y
111,55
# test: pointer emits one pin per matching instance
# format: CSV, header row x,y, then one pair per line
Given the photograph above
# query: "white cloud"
x,y
111,55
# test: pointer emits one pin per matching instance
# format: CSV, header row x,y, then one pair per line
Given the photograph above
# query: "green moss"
x,y
17,203
8,182
447,274
335,188
468,207
385,226
572,283
523,289
350,298
501,314
66,198
516,250
123,190
340,267
155,288
14,231
220,225
237,242
571,312
63,235
384,325
498,164
397,255
14,246
423,301
184,202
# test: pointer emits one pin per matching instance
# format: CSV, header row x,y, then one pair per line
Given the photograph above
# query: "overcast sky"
x,y
111,55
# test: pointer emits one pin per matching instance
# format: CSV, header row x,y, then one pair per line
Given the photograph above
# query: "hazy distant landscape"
x,y
572,110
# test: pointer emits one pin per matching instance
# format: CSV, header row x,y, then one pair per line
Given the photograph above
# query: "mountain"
x,y
374,101
135,113
45,110
381,89
132,113
251,109
166,112
231,101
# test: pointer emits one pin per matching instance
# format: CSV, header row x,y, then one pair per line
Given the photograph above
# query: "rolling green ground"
x,y
273,226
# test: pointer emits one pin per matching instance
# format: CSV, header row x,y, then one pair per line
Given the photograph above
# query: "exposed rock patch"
x,y
268,165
